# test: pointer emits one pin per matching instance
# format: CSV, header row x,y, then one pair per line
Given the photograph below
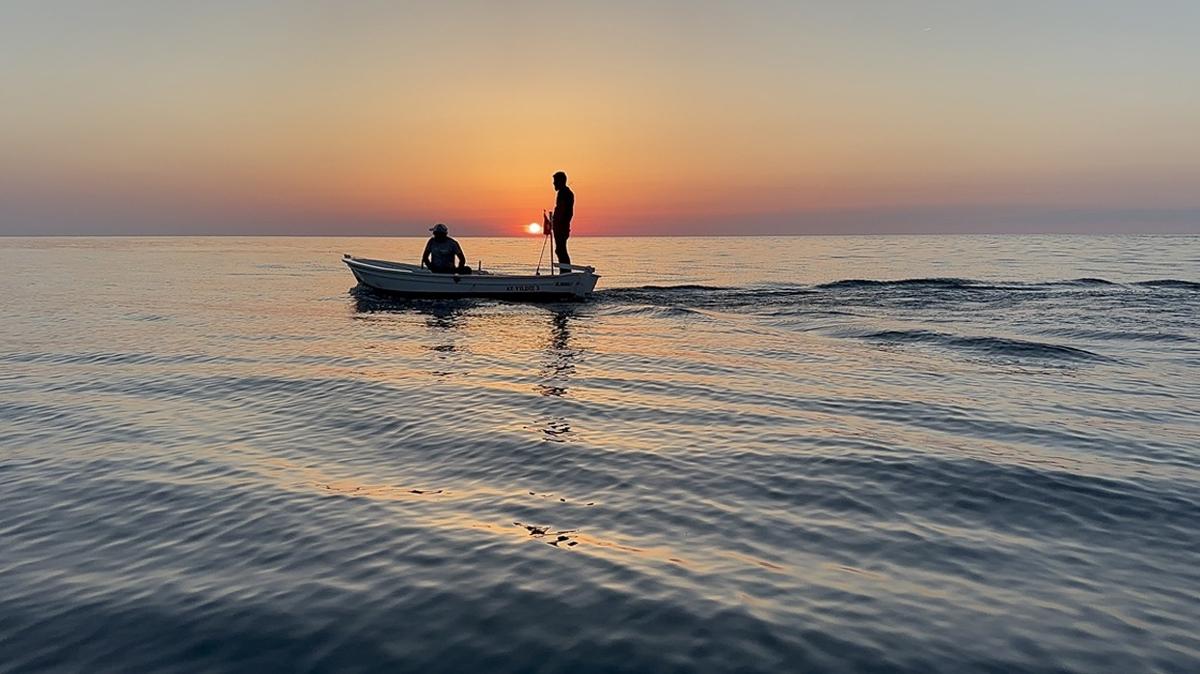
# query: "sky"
x,y
381,118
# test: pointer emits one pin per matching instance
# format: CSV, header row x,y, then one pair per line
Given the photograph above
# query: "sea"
x,y
913,454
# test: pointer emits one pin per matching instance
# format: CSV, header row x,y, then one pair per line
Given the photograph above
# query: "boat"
x,y
573,282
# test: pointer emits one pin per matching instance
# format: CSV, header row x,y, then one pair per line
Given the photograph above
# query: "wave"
x,y
973,284
655,311
658,292
1169,283
996,346
1118,335
791,296
141,358
681,287
923,282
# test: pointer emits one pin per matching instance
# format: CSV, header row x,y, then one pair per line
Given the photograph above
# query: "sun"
x,y
534,228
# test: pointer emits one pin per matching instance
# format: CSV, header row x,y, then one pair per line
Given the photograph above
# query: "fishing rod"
x,y
538,271
547,230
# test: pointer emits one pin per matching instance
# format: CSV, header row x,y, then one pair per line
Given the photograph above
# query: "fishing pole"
x,y
545,239
542,254
548,230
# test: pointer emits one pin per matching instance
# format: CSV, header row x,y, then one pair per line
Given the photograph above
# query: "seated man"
x,y
442,254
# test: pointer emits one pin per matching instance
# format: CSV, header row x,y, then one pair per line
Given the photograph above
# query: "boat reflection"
x,y
512,328
555,374
439,314
559,364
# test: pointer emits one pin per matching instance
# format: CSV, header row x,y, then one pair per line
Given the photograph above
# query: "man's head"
x,y
439,231
560,180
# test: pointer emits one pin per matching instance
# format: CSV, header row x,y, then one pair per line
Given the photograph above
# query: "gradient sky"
x,y
766,117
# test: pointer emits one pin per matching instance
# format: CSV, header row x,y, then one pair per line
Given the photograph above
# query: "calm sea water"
x,y
891,454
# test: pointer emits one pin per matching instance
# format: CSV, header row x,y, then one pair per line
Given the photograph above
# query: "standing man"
x,y
564,208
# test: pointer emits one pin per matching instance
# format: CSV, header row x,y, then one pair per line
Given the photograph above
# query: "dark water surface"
x,y
890,454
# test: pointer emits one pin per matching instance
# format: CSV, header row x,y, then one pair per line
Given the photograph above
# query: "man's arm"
x,y
458,252
425,255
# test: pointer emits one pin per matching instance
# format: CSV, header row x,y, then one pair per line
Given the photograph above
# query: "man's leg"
x,y
560,246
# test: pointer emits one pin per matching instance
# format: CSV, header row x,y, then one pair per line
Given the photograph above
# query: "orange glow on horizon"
x,y
916,123
533,228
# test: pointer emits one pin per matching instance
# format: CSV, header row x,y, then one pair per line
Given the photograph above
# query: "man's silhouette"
x,y
564,208
442,253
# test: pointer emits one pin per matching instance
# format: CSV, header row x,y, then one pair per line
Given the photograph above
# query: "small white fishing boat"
x,y
410,280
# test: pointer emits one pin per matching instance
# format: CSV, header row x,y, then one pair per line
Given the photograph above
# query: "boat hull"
x,y
404,280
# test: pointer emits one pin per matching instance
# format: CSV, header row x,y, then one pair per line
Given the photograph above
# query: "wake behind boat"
x,y
576,282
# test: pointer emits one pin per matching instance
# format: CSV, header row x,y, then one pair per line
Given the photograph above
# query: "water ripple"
x,y
916,455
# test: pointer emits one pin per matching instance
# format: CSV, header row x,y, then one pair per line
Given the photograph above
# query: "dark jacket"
x,y
564,209
443,256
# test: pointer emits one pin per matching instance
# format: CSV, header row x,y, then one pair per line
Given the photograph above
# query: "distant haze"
x,y
669,117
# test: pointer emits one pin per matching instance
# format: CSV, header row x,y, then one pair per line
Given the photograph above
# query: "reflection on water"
x,y
445,320
557,368
559,362
709,469
438,314
450,321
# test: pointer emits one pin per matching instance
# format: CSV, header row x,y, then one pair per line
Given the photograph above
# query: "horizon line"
x,y
587,236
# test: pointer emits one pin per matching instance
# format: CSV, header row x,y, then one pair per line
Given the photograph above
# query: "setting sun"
x,y
534,228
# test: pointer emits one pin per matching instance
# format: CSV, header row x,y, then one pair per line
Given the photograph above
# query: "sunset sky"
x,y
670,117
